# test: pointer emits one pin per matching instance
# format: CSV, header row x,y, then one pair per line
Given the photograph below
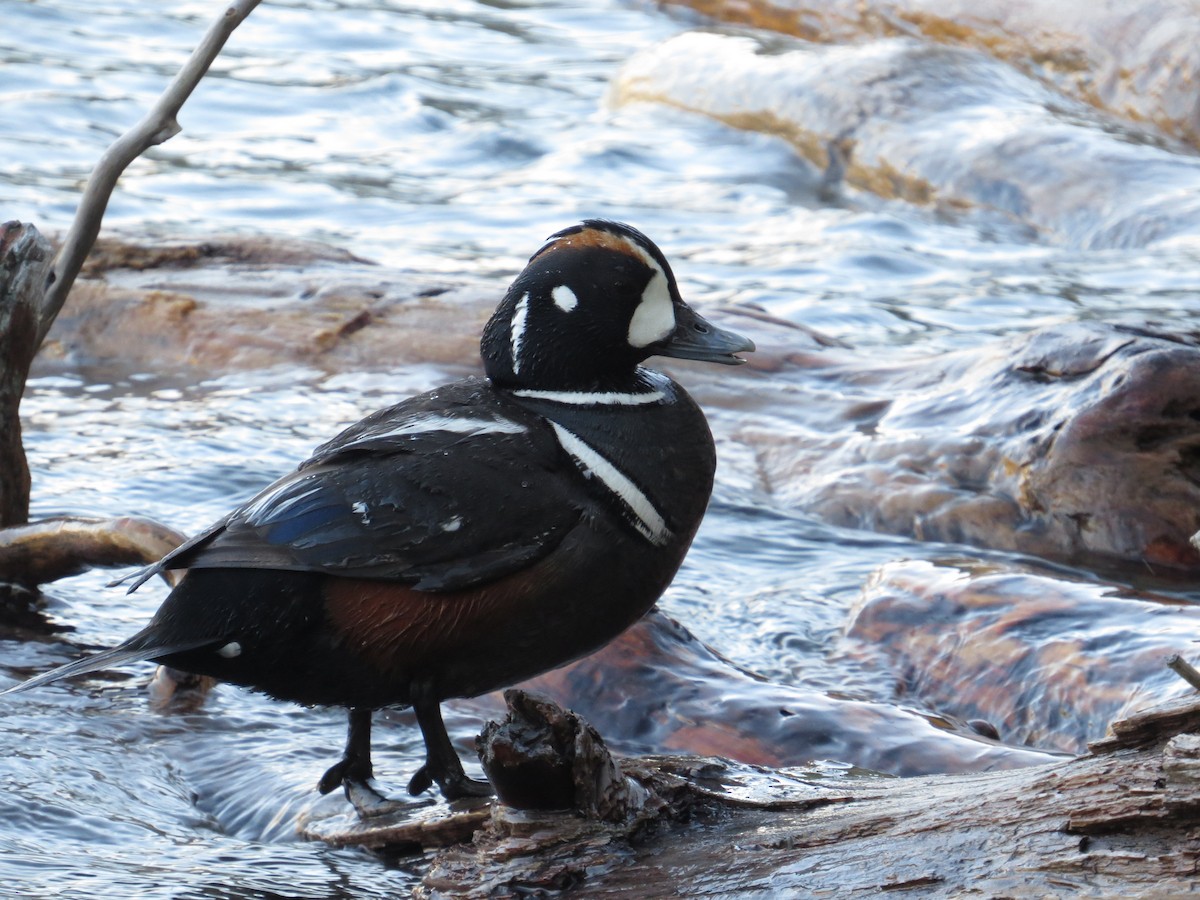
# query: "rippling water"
x,y
438,137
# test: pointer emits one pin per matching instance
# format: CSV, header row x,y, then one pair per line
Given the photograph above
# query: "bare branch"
x,y
1184,670
156,126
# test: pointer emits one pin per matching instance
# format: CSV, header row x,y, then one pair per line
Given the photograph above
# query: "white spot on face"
x,y
654,317
564,298
230,650
645,517
516,331
452,524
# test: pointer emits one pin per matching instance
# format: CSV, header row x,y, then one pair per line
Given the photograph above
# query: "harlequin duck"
x,y
471,537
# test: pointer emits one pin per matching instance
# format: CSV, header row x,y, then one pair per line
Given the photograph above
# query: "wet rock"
x,y
260,302
1079,442
937,125
1140,61
1048,662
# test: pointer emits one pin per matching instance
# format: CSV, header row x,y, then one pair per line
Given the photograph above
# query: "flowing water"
x,y
435,137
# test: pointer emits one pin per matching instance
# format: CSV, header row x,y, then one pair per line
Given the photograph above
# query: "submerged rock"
x,y
676,695
938,125
1137,60
1079,442
1048,662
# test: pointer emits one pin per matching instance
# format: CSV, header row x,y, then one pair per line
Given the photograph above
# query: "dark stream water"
x,y
448,138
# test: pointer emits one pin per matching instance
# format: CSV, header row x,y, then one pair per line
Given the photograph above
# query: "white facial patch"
x,y
646,519
516,331
230,650
654,317
564,298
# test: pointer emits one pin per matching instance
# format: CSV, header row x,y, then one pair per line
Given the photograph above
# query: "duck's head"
x,y
595,301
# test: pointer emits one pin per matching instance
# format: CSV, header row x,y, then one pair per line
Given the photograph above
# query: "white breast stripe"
x,y
516,331
645,517
595,398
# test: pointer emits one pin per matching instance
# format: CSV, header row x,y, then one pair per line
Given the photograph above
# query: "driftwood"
x,y
32,292
50,549
157,126
1116,822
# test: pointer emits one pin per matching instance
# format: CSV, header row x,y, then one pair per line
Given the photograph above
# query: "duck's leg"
x,y
354,771
441,760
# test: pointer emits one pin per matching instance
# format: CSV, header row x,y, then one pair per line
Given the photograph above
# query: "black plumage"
x,y
472,536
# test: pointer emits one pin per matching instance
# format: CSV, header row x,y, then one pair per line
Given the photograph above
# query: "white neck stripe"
x,y
646,518
517,331
594,398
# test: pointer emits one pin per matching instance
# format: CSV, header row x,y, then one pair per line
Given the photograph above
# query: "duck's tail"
x,y
141,646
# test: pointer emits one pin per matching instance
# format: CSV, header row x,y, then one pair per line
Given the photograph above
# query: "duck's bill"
x,y
697,338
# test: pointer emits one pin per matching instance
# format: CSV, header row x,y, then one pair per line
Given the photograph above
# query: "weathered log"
x,y
1118,822
158,125
24,262
50,549
34,288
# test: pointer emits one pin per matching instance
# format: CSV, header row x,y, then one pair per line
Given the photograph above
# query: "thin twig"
x,y
1184,670
156,126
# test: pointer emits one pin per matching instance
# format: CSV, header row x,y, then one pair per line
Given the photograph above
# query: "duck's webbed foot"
x,y
355,773
454,785
442,764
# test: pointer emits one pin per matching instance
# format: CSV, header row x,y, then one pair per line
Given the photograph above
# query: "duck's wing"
x,y
444,491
